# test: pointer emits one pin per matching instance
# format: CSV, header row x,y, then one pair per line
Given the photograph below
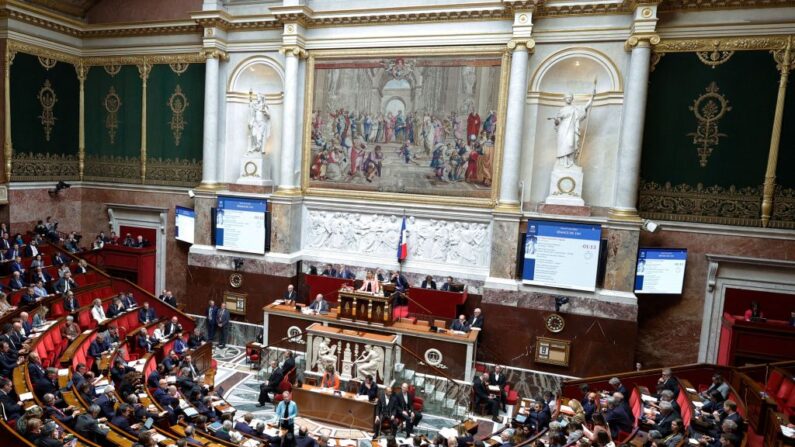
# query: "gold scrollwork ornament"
x,y
708,109
47,99
179,67
715,57
178,103
112,103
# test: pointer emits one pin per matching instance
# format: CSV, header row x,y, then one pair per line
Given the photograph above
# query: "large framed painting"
x,y
422,125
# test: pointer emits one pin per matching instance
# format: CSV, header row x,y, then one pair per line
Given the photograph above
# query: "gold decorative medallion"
x,y
236,280
47,63
112,69
47,99
112,104
178,103
179,67
554,323
715,57
708,108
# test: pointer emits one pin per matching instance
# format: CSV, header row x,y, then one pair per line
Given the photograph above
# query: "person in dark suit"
x,y
369,388
319,305
98,347
289,362
70,303
448,283
223,433
385,412
223,321
122,420
330,271
428,283
460,324
35,369
499,378
290,296
128,300
32,249
29,298
11,404
617,386
271,386
16,265
663,420
196,339
12,253
303,439
65,284
617,418
52,411
244,426
47,384
87,426
170,299
146,314
16,282
400,281
480,386
404,403
667,382
172,327
730,413
8,359
153,381
59,259
212,315
116,308
39,274
476,321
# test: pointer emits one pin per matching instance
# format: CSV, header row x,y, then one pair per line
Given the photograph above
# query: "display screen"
x,y
660,270
561,254
240,224
184,221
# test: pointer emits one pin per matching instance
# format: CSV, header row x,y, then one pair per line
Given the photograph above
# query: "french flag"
x,y
403,248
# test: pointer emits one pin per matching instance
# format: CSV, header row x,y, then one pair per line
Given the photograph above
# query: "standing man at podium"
x,y
286,411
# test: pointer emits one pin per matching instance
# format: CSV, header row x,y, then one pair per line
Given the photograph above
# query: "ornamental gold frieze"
x,y
723,44
110,61
173,172
104,168
30,167
679,5
699,203
783,208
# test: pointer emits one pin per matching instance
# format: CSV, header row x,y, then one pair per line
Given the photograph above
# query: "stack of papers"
x,y
788,432
26,396
691,390
250,443
63,372
646,398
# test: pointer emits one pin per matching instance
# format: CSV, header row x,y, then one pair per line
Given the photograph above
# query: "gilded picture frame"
x,y
394,60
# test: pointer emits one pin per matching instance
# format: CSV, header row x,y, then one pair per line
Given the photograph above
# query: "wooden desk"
x,y
342,410
456,353
203,357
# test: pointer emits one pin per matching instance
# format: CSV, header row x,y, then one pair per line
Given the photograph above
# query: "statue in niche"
x,y
567,125
370,363
259,123
326,355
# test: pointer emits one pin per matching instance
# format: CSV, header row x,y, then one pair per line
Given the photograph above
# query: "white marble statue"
x,y
325,355
370,363
259,123
567,125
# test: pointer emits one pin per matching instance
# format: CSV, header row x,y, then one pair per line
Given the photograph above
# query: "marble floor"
x,y
240,383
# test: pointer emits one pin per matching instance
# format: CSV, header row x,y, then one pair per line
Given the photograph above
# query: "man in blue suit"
x,y
212,315
146,315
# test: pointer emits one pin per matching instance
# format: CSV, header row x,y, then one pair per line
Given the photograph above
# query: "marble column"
x,y
210,144
629,149
514,123
287,178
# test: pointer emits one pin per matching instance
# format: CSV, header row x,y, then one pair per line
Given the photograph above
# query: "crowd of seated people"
x,y
381,276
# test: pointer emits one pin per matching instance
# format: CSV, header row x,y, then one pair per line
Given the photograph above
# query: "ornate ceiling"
x,y
75,8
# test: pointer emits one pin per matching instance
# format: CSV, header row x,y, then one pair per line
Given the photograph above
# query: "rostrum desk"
x,y
452,353
343,409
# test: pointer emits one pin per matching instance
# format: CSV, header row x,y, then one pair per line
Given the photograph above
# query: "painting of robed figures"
x,y
405,124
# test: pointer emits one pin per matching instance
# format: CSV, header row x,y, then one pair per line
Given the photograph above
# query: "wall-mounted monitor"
x,y
561,254
240,224
184,222
660,270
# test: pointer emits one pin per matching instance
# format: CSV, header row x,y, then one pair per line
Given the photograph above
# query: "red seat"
x,y
785,389
511,396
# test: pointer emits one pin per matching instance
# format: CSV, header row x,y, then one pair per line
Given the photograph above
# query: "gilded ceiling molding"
x,y
107,61
213,53
721,44
35,50
679,5
634,40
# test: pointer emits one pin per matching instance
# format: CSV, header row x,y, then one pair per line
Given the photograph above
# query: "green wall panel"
x,y
165,138
27,132
749,81
99,123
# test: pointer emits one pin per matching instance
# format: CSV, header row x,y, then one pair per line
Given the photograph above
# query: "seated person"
x,y
119,369
146,314
428,283
714,403
65,284
370,284
754,313
460,324
662,422
128,300
330,379
617,418
16,282
180,347
319,305
244,425
369,388
143,342
329,271
116,308
717,384
98,347
290,295
172,327
668,382
196,339
484,396
448,283
400,281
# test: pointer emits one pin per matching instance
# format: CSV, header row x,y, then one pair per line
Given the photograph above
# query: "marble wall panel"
x,y
117,11
578,304
622,254
670,325
285,227
504,244
26,206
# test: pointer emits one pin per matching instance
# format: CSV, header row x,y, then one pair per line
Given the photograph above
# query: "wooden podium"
x,y
364,307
